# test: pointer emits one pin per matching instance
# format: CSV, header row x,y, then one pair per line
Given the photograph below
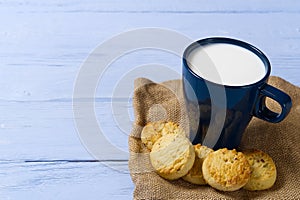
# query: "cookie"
x,y
263,169
172,156
226,170
155,130
195,175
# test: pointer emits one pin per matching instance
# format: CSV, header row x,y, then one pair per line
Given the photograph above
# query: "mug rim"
x,y
226,40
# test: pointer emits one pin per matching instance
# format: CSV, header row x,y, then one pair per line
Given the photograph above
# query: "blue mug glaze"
x,y
239,104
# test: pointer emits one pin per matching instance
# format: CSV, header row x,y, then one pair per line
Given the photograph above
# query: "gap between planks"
x,y
74,161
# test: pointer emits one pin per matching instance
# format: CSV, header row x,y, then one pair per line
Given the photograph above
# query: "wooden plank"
x,y
46,130
153,6
49,54
63,180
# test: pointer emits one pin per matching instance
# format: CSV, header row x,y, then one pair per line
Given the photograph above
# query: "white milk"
x,y
226,64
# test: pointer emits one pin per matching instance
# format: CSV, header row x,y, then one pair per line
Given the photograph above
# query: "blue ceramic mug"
x,y
225,85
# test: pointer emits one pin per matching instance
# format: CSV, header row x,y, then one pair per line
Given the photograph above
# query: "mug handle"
x,y
263,112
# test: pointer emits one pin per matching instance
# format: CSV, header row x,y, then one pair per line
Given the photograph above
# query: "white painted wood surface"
x,y
44,43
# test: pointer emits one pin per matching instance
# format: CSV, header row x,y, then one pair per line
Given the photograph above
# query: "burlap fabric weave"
x,y
164,101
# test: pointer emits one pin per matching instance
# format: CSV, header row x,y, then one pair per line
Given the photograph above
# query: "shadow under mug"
x,y
219,114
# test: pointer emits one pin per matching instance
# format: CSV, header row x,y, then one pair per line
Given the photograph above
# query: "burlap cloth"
x,y
281,141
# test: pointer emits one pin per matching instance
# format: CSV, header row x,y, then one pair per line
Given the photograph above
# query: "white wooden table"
x,y
43,45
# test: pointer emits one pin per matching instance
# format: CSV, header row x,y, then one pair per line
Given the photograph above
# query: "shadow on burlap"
x,y
164,101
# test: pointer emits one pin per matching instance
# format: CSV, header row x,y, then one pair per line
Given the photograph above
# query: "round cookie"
x,y
263,169
155,130
172,156
195,175
226,170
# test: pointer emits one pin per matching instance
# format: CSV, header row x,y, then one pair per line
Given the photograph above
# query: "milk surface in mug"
x,y
226,64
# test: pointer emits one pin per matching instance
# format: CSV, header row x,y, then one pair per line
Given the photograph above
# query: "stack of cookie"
x,y
173,156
